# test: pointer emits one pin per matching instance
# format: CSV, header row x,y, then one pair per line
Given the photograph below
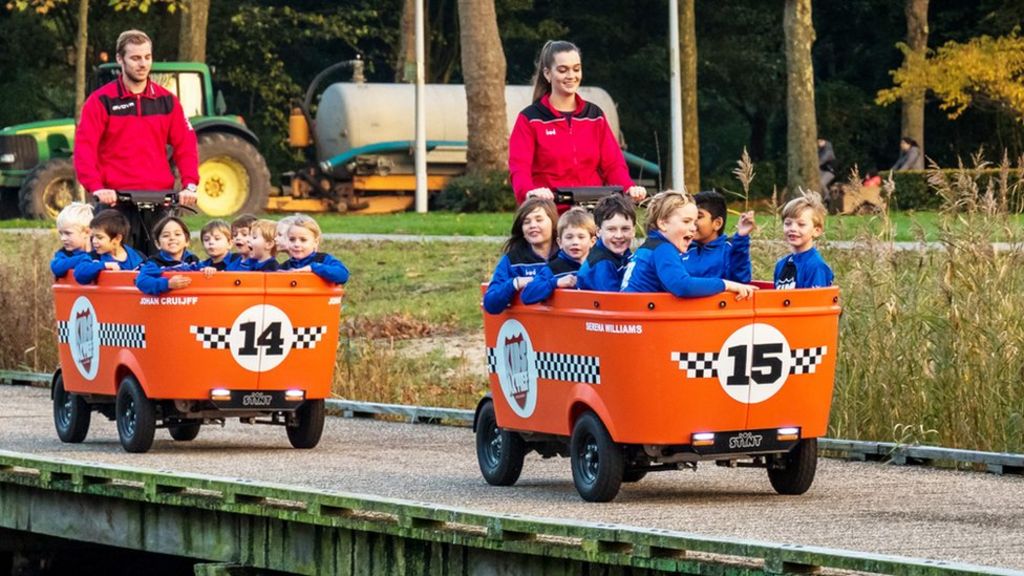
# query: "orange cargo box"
x,y
239,343
707,378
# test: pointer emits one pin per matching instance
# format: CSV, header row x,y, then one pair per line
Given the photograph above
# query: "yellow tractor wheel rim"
x,y
223,186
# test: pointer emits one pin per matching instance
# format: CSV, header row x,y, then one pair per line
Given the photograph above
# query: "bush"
x,y
913,192
477,193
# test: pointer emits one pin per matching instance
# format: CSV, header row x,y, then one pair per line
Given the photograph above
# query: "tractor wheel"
x,y
233,176
792,473
48,189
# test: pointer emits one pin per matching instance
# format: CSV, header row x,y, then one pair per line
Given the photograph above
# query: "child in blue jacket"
x,y
303,243
172,238
615,217
657,266
109,229
803,221
262,248
73,228
712,254
526,252
217,241
576,235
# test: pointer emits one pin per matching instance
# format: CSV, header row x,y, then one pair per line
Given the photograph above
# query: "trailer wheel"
x,y
309,426
185,431
499,453
792,473
597,461
136,418
71,413
233,176
48,189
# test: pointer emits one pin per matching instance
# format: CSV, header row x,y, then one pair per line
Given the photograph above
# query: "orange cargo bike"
x,y
255,346
626,384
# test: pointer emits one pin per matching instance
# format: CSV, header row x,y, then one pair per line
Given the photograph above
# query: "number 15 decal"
x,y
754,363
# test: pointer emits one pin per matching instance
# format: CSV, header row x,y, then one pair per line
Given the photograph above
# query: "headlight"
x,y
7,158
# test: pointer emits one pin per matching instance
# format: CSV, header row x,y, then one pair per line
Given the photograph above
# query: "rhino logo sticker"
x,y
84,338
516,366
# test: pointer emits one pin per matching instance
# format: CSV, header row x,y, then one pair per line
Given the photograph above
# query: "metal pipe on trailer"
x,y
421,120
676,96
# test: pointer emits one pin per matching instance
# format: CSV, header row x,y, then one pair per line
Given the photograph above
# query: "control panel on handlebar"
x,y
149,198
584,195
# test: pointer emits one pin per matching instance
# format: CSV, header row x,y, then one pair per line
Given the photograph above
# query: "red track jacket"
x,y
548,149
122,138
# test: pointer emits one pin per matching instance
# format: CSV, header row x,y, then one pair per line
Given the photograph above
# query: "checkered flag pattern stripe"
x,y
697,364
211,337
569,367
805,360
123,335
308,336
62,332
492,361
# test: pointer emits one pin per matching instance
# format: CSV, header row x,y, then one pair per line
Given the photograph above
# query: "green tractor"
x,y
37,177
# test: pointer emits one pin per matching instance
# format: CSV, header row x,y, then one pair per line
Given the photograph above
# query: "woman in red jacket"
x,y
561,139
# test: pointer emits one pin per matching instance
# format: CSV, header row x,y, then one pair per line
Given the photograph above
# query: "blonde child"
x,y
576,235
526,253
109,230
657,265
172,238
73,228
281,235
803,221
262,247
303,243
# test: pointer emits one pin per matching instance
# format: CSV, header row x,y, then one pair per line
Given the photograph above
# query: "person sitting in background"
x,y
110,228
576,235
826,164
910,155
73,228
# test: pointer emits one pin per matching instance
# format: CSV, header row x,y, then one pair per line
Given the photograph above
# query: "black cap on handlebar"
x,y
584,194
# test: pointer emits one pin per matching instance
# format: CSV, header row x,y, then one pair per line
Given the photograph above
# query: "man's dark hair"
x,y
714,203
242,221
112,223
612,205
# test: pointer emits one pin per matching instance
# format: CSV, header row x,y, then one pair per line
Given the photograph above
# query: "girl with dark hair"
x,y
526,252
561,139
910,155
172,238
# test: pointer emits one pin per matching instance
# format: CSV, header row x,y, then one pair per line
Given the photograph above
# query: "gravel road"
x,y
961,516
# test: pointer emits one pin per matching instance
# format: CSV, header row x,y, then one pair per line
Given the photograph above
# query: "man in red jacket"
x,y
122,137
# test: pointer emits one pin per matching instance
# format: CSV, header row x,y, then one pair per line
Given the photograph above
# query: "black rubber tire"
x,y
631,476
136,417
797,469
597,461
48,188
184,432
213,145
71,414
500,453
310,426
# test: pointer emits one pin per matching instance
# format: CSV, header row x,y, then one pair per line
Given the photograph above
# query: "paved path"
x,y
962,516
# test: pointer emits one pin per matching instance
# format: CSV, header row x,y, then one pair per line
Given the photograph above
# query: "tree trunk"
x,y
688,64
801,121
192,36
81,52
405,69
483,68
912,117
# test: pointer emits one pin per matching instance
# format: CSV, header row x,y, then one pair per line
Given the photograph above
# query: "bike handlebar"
x,y
583,194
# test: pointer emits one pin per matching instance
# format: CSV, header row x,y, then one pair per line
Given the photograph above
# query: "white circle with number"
x,y
516,365
261,338
754,363
84,337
